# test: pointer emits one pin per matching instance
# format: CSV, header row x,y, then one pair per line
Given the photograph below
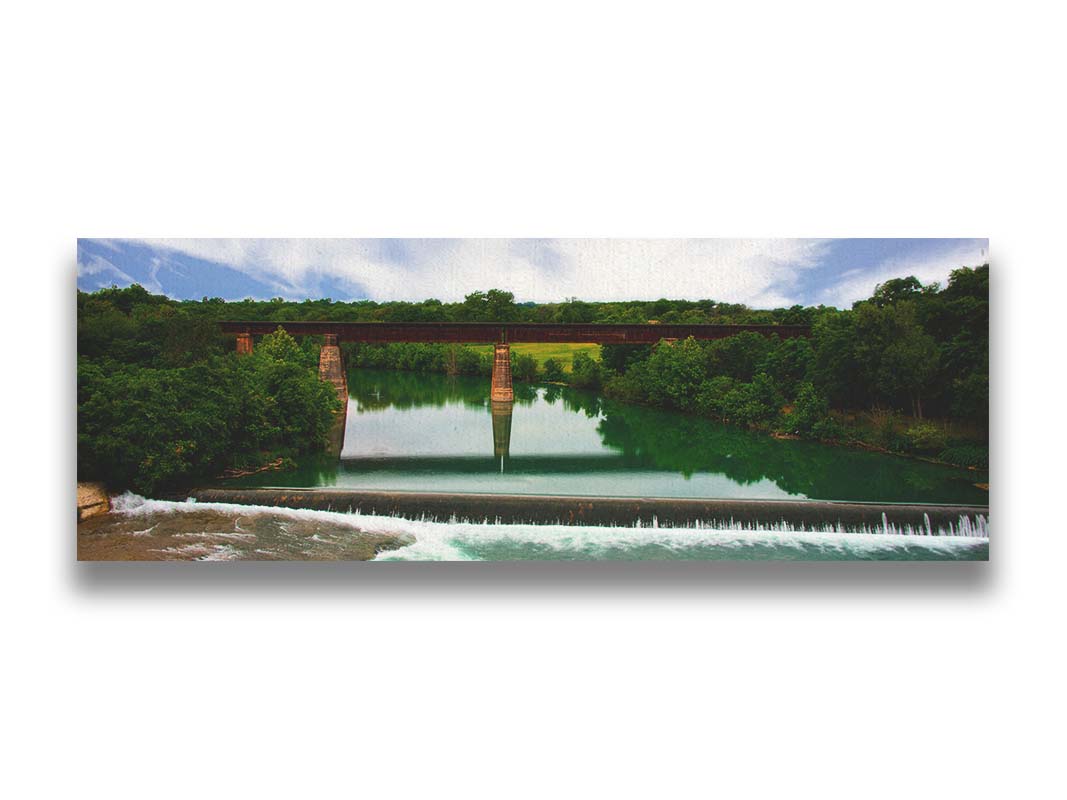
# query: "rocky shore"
x,y
92,500
166,531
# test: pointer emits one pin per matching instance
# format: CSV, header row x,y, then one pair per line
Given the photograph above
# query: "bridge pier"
x,y
244,344
501,390
332,371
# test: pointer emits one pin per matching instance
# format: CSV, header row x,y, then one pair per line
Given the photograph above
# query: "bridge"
x,y
500,334
507,332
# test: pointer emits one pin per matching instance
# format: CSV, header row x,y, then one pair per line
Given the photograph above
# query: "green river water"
x,y
432,433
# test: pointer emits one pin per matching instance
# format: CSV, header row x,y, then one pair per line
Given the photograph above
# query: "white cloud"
x,y
860,284
94,265
759,272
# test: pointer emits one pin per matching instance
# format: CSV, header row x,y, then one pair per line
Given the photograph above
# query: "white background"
x,y
558,119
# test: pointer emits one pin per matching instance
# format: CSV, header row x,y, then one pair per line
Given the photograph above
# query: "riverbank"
x,y
140,529
946,442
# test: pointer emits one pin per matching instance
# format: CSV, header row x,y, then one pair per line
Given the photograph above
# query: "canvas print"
x,y
532,399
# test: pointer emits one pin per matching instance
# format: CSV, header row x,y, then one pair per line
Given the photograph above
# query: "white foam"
x,y
203,552
456,540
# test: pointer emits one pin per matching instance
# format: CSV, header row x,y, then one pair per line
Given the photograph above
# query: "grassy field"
x,y
563,353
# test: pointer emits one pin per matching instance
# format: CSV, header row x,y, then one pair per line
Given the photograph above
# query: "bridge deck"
x,y
490,332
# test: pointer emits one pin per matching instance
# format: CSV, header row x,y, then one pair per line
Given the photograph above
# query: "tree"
x,y
524,367
810,414
895,290
619,357
836,371
553,371
495,305
897,358
753,403
788,362
500,306
674,372
585,372
738,356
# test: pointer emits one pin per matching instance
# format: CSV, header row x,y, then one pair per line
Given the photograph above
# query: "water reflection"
x,y
501,411
407,431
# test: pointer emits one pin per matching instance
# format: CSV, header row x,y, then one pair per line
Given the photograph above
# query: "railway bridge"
x,y
500,334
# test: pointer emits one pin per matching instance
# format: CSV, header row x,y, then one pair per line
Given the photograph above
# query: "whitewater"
x,y
142,528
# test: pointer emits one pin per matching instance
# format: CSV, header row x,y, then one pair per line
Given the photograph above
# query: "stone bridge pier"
x,y
501,391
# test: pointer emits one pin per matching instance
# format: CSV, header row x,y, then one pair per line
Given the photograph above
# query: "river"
x,y
418,432
432,433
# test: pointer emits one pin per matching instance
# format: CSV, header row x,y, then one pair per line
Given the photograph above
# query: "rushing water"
x,y
416,432
143,529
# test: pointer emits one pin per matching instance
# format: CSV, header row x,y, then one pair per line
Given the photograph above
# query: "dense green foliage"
x,y
420,357
920,350
160,405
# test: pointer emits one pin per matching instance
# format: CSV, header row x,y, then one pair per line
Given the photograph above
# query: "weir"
x,y
662,511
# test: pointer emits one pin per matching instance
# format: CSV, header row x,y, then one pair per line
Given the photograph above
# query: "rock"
x,y
92,500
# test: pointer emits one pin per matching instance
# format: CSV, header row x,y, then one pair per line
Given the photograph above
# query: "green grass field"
x,y
563,353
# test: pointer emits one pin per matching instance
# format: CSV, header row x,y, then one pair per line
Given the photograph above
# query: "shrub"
x,y
626,388
925,437
883,427
809,410
827,429
966,455
524,367
754,403
552,370
711,396
585,372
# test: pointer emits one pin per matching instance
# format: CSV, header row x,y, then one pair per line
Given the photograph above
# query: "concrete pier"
x,y
244,344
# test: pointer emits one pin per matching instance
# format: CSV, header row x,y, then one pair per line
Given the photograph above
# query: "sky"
x,y
762,273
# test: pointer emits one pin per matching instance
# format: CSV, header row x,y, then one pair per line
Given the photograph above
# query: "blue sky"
x,y
762,273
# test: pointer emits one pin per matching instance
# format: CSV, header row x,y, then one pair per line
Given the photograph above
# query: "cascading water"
x,y
165,530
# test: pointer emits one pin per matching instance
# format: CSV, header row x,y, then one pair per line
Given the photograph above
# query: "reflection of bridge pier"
x,y
501,412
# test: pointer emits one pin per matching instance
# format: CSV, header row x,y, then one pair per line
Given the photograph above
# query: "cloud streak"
x,y
758,272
